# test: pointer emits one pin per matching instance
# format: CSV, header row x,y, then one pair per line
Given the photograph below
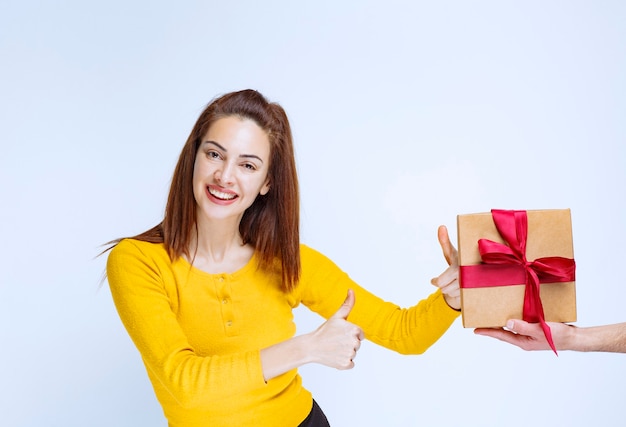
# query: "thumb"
x,y
346,307
518,326
449,251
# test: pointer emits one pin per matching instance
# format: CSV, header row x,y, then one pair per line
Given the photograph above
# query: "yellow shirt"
x,y
200,334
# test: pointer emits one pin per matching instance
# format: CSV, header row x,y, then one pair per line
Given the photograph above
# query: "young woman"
x,y
207,295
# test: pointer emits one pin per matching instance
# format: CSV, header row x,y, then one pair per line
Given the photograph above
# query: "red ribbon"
x,y
507,265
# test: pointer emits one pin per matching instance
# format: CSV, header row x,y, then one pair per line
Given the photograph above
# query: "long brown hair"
x,y
271,223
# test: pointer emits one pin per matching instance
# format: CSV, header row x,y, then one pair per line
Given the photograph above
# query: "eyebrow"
x,y
245,156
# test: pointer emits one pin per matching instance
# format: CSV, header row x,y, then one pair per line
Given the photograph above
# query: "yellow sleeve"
x,y
323,288
143,295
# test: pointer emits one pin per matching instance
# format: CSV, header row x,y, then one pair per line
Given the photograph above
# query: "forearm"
x,y
333,344
607,338
284,356
407,331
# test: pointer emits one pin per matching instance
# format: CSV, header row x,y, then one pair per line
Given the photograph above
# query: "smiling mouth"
x,y
220,195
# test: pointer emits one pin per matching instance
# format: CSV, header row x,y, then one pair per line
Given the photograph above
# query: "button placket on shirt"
x,y
224,294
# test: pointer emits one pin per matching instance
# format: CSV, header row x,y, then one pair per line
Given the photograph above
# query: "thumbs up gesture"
x,y
448,281
336,342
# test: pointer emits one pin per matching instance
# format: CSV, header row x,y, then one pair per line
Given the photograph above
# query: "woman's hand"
x,y
336,342
333,344
448,281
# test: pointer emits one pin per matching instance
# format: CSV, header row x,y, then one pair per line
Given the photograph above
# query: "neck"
x,y
215,240
219,251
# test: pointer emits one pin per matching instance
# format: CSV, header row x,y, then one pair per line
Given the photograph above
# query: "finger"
x,y
451,290
449,251
357,333
500,334
520,327
449,276
361,335
344,364
522,341
444,242
444,285
346,307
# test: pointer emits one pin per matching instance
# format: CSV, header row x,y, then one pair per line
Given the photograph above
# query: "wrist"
x,y
302,348
574,339
284,356
453,302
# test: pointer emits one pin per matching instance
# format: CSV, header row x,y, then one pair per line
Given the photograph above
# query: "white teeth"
x,y
220,195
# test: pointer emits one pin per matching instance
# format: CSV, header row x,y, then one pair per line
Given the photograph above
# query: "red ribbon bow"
x,y
507,265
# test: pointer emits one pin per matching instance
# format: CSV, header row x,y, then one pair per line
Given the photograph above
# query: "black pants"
x,y
316,418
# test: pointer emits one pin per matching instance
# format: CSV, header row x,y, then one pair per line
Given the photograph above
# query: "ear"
x,y
265,189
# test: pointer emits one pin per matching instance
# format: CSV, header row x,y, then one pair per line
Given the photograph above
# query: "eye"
x,y
212,154
249,166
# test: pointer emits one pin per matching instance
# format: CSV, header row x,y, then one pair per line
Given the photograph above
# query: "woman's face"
x,y
231,168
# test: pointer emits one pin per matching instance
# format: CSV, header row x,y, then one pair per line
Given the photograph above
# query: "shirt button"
x,y
221,279
229,323
225,301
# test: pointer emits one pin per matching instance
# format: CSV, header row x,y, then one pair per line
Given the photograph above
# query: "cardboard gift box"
x,y
498,287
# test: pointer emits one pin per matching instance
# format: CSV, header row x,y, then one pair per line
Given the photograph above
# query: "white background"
x,y
404,114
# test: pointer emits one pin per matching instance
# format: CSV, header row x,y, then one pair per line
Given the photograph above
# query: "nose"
x,y
224,174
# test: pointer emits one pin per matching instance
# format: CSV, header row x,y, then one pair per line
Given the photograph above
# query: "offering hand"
x,y
448,281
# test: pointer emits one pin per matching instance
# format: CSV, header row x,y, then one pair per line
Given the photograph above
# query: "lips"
x,y
221,194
